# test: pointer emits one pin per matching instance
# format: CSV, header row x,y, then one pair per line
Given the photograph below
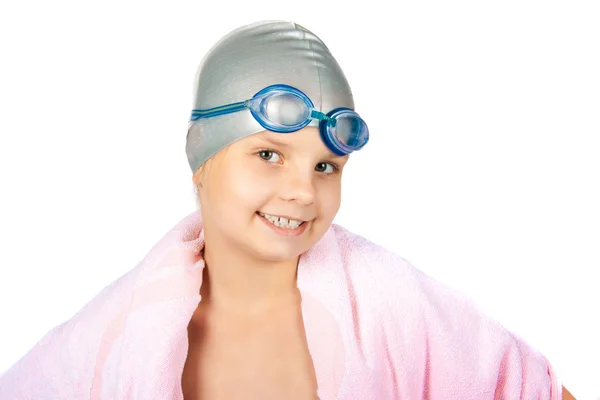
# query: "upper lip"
x,y
285,216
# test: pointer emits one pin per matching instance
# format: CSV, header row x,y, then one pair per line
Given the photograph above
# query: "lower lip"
x,y
285,231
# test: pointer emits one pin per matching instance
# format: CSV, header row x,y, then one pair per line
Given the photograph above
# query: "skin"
x,y
248,326
251,271
566,395
294,175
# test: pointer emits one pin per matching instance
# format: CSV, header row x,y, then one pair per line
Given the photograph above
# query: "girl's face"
x,y
256,192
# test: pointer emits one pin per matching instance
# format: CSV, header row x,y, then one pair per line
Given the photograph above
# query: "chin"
x,y
281,250
273,253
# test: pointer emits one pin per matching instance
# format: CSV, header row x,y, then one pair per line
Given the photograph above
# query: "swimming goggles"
x,y
285,109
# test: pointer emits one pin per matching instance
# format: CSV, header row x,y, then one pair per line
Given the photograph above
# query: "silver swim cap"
x,y
246,61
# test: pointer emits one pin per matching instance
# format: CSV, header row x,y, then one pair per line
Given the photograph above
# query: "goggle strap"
x,y
216,111
318,115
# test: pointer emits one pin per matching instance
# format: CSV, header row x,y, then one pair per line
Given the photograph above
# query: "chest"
x,y
256,359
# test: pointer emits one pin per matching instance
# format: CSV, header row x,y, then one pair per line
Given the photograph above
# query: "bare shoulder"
x,y
566,395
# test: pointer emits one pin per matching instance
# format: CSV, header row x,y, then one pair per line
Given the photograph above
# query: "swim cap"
x,y
246,61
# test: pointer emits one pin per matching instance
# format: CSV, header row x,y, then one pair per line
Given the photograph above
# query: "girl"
x,y
258,295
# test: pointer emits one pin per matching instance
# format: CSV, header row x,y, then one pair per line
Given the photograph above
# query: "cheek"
x,y
329,200
240,189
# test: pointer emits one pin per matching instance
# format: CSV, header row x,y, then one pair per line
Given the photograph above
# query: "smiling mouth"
x,y
282,222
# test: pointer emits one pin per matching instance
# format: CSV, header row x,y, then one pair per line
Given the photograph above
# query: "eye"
x,y
269,155
326,168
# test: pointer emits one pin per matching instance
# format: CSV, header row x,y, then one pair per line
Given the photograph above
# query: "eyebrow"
x,y
264,136
268,138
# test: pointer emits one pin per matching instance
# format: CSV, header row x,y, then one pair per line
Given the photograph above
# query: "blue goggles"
x,y
285,109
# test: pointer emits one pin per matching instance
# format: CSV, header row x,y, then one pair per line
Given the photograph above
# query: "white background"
x,y
483,169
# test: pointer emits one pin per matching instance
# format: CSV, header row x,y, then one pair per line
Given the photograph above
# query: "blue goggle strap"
x,y
221,110
315,114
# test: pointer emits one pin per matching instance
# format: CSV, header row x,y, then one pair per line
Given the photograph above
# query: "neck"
x,y
235,281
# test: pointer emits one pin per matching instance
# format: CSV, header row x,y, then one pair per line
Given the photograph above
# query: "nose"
x,y
298,186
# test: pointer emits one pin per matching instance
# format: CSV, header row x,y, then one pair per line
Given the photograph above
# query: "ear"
x,y
197,177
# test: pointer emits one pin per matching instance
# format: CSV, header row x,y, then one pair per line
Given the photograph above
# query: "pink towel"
x,y
377,328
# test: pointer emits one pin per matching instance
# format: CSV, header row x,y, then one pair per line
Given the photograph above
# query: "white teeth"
x,y
282,222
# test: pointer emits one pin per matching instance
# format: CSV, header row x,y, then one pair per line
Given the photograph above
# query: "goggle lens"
x,y
349,130
285,109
